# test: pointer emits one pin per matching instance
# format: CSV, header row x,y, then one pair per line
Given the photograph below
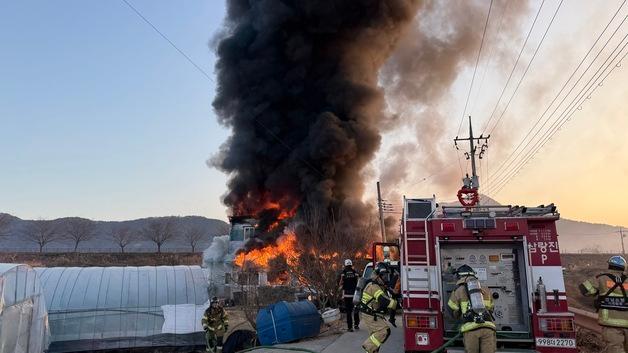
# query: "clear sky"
x,y
101,118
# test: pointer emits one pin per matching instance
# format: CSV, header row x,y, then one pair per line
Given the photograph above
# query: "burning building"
x,y
234,264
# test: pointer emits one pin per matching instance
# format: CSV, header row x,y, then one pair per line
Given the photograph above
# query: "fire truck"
x,y
514,252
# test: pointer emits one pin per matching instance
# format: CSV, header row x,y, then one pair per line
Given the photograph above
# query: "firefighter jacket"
x,y
460,304
348,281
215,319
609,290
375,301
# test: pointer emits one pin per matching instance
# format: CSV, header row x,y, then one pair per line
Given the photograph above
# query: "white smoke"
x,y
218,260
218,251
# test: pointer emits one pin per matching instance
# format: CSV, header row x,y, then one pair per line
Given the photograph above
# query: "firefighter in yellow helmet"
x,y
609,290
473,305
215,323
374,307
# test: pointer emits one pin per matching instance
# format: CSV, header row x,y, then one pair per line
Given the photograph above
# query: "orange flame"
x,y
286,245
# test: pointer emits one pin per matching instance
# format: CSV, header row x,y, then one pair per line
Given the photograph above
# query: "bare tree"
x,y
41,232
193,235
324,240
122,236
222,229
79,230
5,222
159,231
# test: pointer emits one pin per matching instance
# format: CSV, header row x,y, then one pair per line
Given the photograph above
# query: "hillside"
x,y
102,241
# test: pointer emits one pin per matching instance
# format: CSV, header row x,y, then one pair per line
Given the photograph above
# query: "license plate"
x,y
556,342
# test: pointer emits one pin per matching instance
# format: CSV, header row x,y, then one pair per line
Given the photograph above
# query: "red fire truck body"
x,y
515,253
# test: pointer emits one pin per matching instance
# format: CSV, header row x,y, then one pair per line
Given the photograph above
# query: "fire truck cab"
x,y
513,250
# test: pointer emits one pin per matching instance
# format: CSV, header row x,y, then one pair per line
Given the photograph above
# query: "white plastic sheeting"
x,y
93,308
23,316
184,318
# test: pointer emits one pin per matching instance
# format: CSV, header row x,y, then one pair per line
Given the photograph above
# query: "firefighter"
x,y
348,282
609,290
374,305
394,289
473,305
215,323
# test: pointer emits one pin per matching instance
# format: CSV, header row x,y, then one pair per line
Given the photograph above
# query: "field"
x,y
101,259
579,267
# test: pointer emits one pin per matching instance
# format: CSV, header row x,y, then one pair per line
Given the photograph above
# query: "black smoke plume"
x,y
298,87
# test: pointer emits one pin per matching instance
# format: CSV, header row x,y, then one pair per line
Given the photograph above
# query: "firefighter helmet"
x,y
214,301
616,263
348,262
381,269
465,270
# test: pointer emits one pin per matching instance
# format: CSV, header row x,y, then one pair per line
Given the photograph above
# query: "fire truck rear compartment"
x,y
500,267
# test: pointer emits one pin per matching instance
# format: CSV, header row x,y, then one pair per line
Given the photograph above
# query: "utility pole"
x,y
381,212
473,182
621,235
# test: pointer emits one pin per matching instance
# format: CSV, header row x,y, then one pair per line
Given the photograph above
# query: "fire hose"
x,y
277,348
448,343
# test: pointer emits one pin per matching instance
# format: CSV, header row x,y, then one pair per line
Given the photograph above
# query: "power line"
x,y
501,167
477,61
525,42
567,115
187,57
168,40
490,57
580,97
526,69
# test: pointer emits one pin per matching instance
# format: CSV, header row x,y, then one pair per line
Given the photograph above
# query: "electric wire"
x,y
546,138
477,61
139,14
204,73
488,16
567,113
503,165
489,58
538,12
526,69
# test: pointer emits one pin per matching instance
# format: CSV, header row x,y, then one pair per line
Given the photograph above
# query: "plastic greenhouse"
x,y
96,308
23,316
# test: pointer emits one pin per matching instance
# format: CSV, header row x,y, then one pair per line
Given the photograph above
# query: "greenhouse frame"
x,y
101,308
23,316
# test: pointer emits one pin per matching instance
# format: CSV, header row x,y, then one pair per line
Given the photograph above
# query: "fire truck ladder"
x,y
422,260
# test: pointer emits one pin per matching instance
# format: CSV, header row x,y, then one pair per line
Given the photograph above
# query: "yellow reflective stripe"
x,y
453,305
375,341
488,304
464,305
366,298
605,320
379,293
589,287
392,304
472,326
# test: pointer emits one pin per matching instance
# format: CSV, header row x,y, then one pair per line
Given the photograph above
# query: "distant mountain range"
x,y
102,240
574,236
